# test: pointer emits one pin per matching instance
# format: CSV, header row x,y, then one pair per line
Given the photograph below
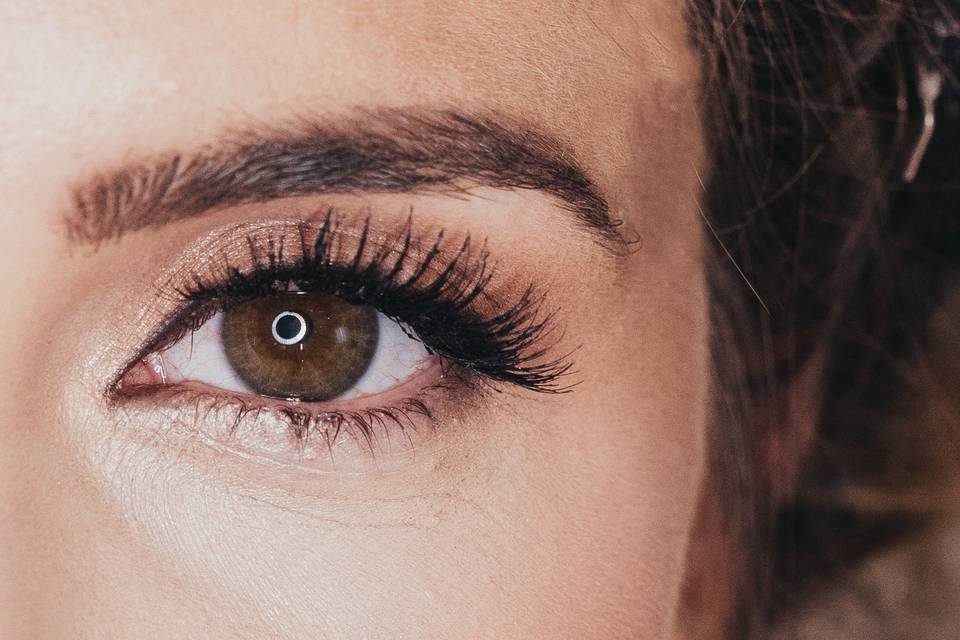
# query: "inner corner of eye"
x,y
293,346
146,373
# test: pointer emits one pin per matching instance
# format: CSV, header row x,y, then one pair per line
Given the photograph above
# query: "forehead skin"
x,y
89,85
90,74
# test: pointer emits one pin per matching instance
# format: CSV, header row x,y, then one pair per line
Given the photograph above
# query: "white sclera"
x,y
200,357
398,356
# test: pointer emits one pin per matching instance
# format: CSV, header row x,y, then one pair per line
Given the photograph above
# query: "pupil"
x,y
288,326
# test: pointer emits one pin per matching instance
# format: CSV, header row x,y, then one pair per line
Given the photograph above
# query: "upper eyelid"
x,y
428,259
285,234
290,234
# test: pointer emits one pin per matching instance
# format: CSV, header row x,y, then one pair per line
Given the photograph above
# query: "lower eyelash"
x,y
304,422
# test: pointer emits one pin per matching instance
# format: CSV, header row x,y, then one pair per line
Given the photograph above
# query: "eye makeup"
x,y
479,338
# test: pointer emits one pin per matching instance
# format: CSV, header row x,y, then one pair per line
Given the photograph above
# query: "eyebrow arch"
x,y
388,151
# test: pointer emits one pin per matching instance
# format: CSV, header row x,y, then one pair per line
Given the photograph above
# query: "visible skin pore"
x,y
528,516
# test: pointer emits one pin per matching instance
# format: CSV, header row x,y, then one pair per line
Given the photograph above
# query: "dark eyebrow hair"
x,y
389,151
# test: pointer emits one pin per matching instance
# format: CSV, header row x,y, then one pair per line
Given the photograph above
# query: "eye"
x,y
306,330
309,347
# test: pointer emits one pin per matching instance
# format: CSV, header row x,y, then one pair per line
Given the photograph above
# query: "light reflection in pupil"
x,y
289,327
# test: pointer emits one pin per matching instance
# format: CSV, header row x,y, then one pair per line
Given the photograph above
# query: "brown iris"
x,y
306,346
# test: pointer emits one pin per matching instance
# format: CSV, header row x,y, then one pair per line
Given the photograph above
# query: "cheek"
x,y
626,474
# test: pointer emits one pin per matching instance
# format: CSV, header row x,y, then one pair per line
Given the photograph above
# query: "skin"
x,y
517,516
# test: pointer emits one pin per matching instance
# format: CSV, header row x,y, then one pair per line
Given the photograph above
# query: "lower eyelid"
x,y
433,373
258,427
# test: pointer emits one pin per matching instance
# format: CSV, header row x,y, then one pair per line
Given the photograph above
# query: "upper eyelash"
x,y
434,303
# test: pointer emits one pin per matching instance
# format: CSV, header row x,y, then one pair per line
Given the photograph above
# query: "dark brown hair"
x,y
812,111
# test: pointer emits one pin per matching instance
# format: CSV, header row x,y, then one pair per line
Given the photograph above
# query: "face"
x,y
290,294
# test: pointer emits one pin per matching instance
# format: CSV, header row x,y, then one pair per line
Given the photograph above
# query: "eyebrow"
x,y
392,151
